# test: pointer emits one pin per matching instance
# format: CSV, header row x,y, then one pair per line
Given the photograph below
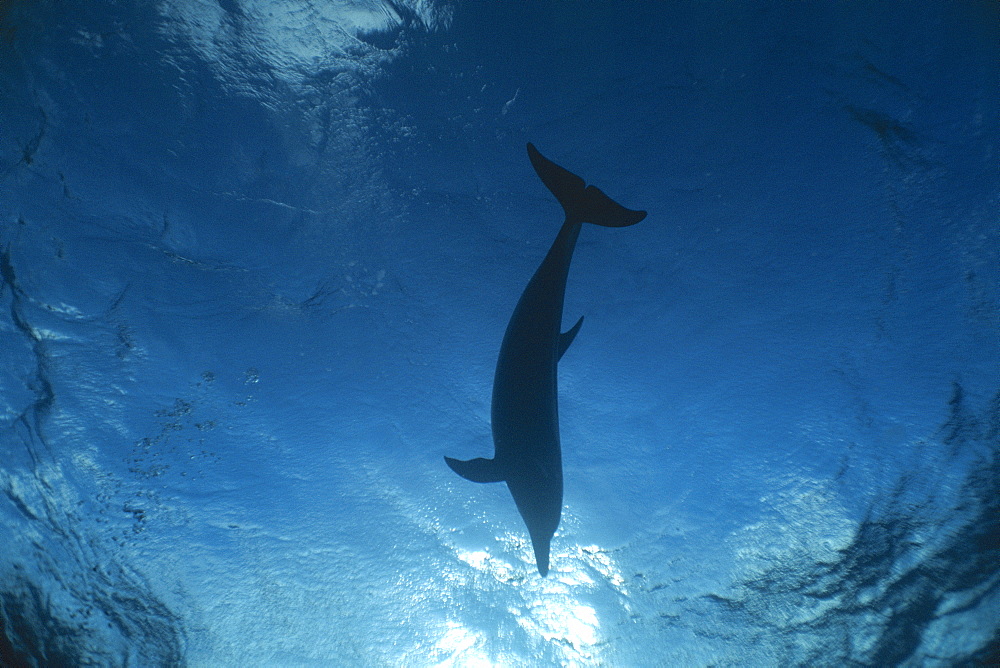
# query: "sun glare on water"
x,y
553,613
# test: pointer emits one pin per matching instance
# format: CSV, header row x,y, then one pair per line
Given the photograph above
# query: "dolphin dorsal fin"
x,y
476,470
566,338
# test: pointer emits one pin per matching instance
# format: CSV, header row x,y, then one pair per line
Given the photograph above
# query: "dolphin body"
x,y
525,413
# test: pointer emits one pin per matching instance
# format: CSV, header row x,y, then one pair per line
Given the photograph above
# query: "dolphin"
x,y
525,411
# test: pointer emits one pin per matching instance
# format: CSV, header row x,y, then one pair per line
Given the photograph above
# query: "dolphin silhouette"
x,y
525,413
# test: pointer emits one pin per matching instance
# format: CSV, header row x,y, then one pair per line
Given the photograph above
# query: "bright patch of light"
x,y
556,612
290,37
560,619
459,647
476,559
485,562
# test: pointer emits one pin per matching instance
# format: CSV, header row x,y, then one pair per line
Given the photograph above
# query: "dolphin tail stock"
x,y
582,203
476,470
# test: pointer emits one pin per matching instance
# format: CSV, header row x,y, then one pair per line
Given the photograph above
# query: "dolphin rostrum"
x,y
525,414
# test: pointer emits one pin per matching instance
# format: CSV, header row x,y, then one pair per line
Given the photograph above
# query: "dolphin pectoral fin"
x,y
476,470
566,338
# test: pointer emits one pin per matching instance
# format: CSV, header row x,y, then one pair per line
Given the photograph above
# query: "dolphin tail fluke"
x,y
476,470
582,203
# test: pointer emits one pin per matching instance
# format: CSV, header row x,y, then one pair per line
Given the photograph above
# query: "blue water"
x,y
257,257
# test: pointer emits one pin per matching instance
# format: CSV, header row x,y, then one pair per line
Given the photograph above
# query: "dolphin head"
x,y
539,500
541,542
